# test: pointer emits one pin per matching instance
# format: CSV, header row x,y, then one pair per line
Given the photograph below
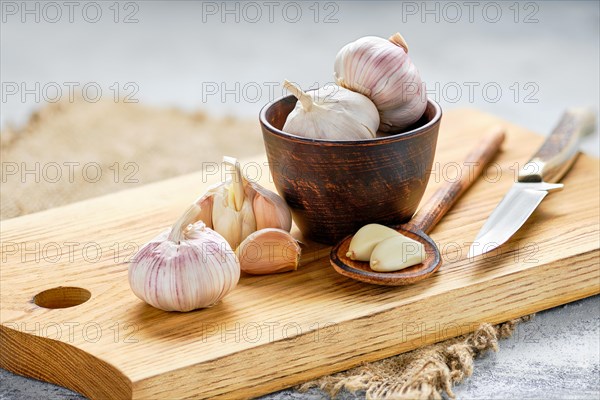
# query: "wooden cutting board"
x,y
275,331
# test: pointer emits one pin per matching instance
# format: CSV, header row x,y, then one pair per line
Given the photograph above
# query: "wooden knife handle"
x,y
552,161
444,198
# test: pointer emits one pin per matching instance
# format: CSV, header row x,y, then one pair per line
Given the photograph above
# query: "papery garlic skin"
x,y
382,70
270,210
269,251
331,112
183,275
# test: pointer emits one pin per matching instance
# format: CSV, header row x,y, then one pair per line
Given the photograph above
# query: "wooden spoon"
x,y
422,223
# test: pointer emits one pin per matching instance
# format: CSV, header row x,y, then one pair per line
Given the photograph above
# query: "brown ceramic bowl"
x,y
335,187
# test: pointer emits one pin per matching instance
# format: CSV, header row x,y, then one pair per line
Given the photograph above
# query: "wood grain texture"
x,y
275,331
448,193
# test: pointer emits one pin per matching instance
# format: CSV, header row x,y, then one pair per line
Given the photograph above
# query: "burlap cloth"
x,y
82,138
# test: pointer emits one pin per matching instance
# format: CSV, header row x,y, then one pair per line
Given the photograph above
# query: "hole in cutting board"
x,y
62,297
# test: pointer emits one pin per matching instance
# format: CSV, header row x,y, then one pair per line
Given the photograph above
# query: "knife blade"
x,y
536,179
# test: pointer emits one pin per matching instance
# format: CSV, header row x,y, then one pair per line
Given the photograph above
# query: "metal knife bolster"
x,y
559,151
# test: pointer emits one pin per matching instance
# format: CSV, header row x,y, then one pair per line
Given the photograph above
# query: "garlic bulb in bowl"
x,y
382,70
331,112
184,268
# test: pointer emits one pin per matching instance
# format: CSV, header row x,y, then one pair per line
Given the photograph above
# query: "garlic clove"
x,y
270,210
232,214
232,224
396,253
331,112
236,188
269,251
225,219
364,241
248,221
237,207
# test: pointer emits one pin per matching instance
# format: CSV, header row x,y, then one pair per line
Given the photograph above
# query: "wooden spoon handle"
x,y
444,198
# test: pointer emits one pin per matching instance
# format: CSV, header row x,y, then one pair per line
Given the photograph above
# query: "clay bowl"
x,y
335,187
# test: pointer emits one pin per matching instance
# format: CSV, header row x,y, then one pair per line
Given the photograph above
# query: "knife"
x,y
536,179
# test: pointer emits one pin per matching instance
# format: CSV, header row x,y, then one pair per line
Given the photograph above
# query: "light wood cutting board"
x,y
272,332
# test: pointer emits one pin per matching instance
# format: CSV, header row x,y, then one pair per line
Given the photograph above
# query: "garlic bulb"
x,y
269,251
185,267
238,207
331,112
381,70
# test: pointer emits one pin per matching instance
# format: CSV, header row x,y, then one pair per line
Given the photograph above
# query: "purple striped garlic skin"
x,y
184,275
382,70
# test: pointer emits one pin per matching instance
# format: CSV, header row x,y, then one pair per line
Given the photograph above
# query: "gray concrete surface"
x,y
554,356
544,56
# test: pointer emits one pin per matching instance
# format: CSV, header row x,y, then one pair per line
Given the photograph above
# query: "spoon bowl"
x,y
421,224
361,271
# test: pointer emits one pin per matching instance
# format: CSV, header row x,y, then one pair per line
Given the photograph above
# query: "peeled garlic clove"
x,y
331,112
364,241
396,253
269,251
382,70
270,210
187,267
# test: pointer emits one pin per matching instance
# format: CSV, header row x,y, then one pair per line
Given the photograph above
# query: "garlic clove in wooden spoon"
x,y
396,253
331,112
364,241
